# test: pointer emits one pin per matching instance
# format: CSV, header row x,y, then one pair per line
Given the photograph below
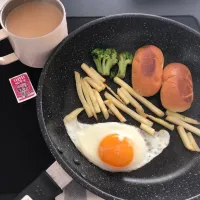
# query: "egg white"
x,y
87,138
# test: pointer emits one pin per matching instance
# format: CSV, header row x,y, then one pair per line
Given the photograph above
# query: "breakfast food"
x,y
92,75
187,126
122,96
133,102
81,96
177,88
182,117
147,103
93,98
161,122
184,138
115,111
147,70
114,94
105,59
87,97
101,104
147,129
127,110
193,142
95,72
93,84
73,114
116,147
124,58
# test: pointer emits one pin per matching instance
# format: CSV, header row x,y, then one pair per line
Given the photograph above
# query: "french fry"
x,y
147,129
161,122
127,110
147,103
110,112
91,74
102,85
88,99
185,125
193,142
182,117
93,84
122,96
115,111
133,102
95,72
113,93
81,96
185,138
106,101
101,104
141,112
73,115
93,98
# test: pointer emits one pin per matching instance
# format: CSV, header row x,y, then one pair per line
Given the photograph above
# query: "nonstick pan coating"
x,y
174,174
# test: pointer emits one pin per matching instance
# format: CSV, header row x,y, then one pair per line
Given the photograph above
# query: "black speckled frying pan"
x,y
174,174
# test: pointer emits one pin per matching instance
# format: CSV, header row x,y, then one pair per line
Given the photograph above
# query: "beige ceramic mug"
x,y
32,52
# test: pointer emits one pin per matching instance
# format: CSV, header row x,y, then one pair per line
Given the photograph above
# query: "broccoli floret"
x,y
98,55
125,58
113,55
104,60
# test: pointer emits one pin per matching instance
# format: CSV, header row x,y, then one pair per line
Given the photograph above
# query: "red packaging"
x,y
22,87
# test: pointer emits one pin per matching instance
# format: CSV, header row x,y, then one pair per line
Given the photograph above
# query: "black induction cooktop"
x,y
23,152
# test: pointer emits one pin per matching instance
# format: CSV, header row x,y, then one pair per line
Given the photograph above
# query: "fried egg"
x,y
116,147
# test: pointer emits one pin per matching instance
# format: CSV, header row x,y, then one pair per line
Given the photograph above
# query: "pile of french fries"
x,y
184,123
89,88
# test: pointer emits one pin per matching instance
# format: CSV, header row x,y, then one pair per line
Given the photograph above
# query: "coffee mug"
x,y
32,52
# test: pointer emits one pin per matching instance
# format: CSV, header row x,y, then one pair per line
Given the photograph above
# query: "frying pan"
x,y
174,174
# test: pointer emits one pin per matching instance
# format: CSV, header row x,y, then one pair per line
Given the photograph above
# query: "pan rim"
x,y
77,177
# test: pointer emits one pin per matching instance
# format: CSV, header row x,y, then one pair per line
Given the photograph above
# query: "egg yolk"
x,y
116,151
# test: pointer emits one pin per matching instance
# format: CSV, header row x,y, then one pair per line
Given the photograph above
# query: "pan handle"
x,y
47,186
43,188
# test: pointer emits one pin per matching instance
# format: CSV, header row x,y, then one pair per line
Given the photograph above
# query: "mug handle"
x,y
10,58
